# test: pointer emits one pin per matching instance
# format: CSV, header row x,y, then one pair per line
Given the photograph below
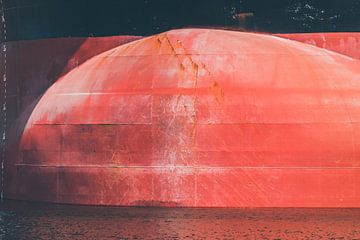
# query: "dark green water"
x,y
19,220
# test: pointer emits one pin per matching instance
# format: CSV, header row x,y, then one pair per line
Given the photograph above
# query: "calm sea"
x,y
21,220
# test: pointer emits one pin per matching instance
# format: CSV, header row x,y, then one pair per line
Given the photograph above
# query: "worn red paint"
x,y
345,43
197,117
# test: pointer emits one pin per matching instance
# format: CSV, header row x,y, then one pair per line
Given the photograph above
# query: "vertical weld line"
x,y
4,107
195,134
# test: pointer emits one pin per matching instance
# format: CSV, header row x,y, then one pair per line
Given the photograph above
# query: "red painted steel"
x,y
197,117
345,43
33,66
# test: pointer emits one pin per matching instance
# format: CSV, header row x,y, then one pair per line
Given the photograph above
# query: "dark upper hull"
x,y
38,19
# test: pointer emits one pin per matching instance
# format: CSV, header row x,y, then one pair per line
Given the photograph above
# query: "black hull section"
x,y
38,19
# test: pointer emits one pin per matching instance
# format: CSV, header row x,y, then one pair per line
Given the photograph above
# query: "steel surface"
x,y
200,118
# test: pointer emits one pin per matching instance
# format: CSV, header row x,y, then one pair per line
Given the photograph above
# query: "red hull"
x,y
201,118
345,43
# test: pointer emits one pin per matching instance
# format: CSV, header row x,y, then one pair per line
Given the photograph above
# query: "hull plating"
x,y
202,118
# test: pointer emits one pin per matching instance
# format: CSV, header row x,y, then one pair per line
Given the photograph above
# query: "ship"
x,y
190,117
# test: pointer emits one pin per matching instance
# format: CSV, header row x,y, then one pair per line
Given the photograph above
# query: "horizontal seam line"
x,y
180,167
198,124
84,124
216,54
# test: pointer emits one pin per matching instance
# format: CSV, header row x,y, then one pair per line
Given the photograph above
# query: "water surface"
x,y
21,220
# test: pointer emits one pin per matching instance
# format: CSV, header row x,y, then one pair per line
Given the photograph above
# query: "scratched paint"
x,y
197,117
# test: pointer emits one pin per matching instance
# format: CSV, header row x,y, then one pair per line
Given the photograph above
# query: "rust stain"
x,y
182,57
169,44
158,41
182,67
188,68
195,66
217,91
203,66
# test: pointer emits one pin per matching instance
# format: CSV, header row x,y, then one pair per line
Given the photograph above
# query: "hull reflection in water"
x,y
19,220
